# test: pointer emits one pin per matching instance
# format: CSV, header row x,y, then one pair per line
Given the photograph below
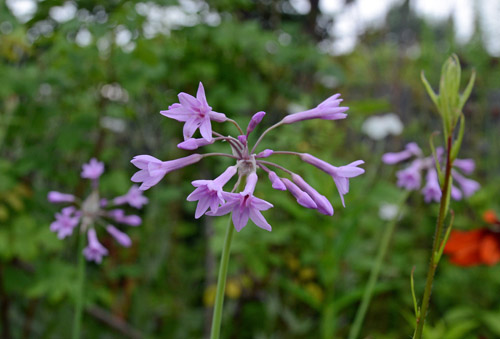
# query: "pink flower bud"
x,y
256,119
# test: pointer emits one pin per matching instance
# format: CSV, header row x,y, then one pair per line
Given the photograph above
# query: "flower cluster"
x,y
475,247
210,195
410,177
94,211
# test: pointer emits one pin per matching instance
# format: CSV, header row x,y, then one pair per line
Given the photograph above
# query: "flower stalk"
x,y
221,282
222,276
80,283
449,105
375,271
436,245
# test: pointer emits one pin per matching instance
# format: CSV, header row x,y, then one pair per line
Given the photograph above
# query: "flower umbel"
x,y
210,195
410,177
93,212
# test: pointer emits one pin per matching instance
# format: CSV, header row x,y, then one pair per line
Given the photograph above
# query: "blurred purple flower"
x,y
411,150
468,186
432,190
91,212
465,165
93,169
118,215
57,197
134,197
409,178
65,222
94,250
119,236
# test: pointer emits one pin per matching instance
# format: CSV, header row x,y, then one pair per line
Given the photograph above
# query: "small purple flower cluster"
x,y
93,211
410,178
197,114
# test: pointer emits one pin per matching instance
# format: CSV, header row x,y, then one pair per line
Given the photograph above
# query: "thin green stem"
x,y
443,210
375,271
80,282
221,282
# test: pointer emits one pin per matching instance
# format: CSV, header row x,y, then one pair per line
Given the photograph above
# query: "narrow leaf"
x,y
458,143
429,89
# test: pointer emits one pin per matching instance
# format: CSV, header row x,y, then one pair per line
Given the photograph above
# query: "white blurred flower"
x,y
379,127
387,211
63,13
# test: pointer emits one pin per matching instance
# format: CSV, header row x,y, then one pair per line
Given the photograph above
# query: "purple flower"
x,y
323,205
277,184
410,178
456,194
411,150
133,197
91,213
243,139
468,186
118,215
196,113
302,197
264,154
93,169
340,175
327,110
119,236
153,170
245,206
465,165
57,197
431,190
94,250
256,119
192,144
65,222
208,193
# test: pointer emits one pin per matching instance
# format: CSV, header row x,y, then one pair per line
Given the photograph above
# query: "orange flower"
x,y
491,218
479,246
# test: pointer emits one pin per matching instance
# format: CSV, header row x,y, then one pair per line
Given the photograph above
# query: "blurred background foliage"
x,y
88,78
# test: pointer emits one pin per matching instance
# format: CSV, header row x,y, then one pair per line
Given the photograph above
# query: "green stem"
x,y
443,210
372,280
221,281
79,288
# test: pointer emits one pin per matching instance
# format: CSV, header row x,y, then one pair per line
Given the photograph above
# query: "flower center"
x,y
247,166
